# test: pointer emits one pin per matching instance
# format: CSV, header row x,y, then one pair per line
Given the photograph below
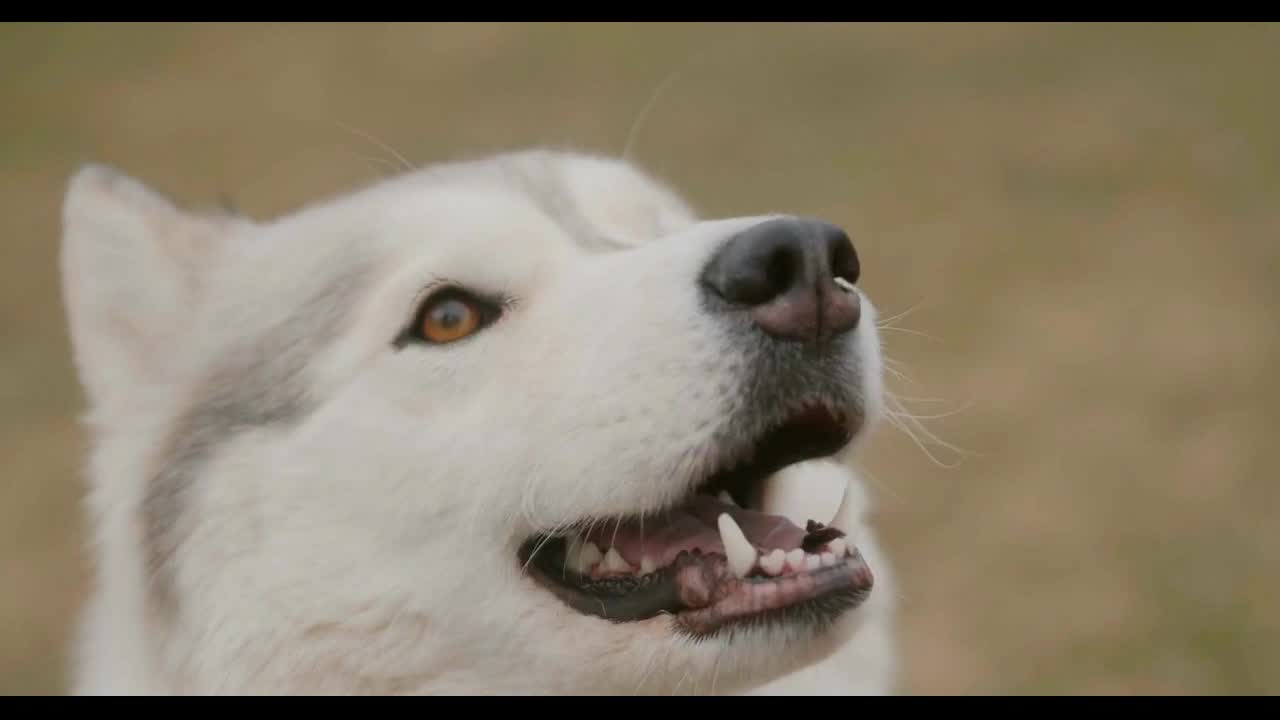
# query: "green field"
x,y
1081,223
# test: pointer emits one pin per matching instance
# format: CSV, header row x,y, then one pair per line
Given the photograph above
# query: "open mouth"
x,y
716,561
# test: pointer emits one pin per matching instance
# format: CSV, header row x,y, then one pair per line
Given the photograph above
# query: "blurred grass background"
x,y
1082,220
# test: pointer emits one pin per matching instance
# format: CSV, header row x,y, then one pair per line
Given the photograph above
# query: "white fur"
x,y
368,546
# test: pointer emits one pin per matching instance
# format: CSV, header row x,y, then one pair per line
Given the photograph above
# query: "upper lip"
x,y
806,429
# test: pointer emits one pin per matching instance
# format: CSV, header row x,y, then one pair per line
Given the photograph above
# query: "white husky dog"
x,y
511,425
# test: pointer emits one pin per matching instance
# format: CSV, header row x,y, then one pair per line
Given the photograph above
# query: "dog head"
x,y
510,424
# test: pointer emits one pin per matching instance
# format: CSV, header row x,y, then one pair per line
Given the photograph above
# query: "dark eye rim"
x,y
490,307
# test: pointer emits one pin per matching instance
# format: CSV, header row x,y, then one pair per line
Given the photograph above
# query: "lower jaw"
x,y
813,599
703,598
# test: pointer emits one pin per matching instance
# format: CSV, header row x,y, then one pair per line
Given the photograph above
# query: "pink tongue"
x,y
693,527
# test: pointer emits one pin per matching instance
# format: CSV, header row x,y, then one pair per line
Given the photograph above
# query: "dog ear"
x,y
131,264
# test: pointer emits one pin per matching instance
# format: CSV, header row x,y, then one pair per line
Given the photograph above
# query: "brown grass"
x,y
1084,219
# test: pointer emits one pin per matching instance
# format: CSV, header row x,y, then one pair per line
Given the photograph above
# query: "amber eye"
x,y
449,319
449,315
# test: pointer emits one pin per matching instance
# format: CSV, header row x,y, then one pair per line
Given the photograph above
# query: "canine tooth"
x,y
774,562
844,520
828,559
812,562
742,557
613,562
795,559
838,547
647,565
806,490
724,496
588,557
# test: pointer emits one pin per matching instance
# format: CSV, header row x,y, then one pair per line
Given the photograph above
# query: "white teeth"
x,y
795,559
613,562
741,556
588,557
838,547
828,559
774,562
844,520
725,497
807,490
812,562
647,565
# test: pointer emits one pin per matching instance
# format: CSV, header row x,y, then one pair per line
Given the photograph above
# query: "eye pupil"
x,y
450,318
450,314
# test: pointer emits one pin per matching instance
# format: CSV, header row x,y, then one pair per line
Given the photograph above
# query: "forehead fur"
x,y
598,202
531,206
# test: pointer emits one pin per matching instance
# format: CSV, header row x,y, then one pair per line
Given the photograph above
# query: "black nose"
x,y
784,271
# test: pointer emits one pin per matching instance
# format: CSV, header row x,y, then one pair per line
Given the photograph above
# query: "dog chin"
x,y
649,657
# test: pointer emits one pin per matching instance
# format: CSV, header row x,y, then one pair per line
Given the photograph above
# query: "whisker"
x,y
634,132
617,525
937,416
647,669
546,538
893,318
911,398
385,167
682,679
907,331
893,366
897,374
897,414
715,671
407,165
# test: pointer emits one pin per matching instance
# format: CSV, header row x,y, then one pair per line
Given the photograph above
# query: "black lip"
x,y
620,599
815,614
625,599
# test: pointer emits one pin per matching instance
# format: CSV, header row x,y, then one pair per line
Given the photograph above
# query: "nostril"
x,y
782,269
756,267
844,259
741,285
